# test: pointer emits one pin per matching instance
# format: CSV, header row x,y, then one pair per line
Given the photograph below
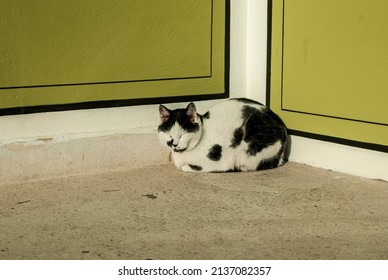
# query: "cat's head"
x,y
180,129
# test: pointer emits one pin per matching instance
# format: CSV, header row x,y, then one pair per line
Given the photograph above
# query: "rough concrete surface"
x,y
158,212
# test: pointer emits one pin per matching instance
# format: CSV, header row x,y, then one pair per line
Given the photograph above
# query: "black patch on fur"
x,y
238,136
180,116
234,170
247,101
262,129
169,143
268,163
215,153
195,167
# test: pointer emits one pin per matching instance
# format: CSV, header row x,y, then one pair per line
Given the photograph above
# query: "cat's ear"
x,y
164,113
191,112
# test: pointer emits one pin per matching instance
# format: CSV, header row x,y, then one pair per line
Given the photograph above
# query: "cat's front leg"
x,y
191,168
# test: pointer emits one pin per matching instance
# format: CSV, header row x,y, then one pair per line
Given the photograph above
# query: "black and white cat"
x,y
235,135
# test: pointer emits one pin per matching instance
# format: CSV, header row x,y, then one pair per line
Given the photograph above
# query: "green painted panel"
x,y
61,52
329,67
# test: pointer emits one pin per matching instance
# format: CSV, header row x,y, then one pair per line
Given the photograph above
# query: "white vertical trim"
x,y
238,48
257,49
249,49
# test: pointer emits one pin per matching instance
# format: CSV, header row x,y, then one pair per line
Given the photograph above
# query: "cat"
x,y
238,134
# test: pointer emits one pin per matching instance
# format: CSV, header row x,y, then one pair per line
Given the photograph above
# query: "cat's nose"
x,y
174,145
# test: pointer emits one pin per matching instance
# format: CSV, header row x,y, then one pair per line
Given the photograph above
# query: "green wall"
x,y
63,52
329,66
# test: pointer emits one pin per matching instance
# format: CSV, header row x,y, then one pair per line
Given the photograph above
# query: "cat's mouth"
x,y
179,150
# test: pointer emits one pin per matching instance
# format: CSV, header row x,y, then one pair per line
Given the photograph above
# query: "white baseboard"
x,y
47,157
342,158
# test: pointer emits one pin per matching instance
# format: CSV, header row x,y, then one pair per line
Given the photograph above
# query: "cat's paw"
x,y
191,168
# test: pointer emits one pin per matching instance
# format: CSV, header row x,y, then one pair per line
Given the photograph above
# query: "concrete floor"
x,y
158,212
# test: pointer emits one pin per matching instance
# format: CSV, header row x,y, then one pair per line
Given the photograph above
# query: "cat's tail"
x,y
284,151
282,158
